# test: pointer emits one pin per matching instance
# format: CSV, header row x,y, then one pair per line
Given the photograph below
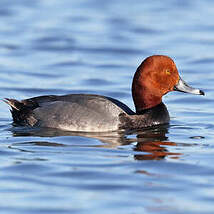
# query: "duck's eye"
x,y
167,71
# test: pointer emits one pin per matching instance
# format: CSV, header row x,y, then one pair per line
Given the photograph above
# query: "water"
x,y
91,46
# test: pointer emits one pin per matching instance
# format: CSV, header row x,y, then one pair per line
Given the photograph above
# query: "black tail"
x,y
14,104
20,112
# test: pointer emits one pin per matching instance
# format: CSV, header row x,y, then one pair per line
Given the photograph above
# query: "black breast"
x,y
149,117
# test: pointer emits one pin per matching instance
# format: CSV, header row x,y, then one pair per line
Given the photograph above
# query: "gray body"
x,y
83,112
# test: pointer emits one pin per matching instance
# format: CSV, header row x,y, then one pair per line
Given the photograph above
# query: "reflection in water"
x,y
150,143
155,149
154,143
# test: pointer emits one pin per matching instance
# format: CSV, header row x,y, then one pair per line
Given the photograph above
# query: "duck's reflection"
x,y
156,150
155,144
150,144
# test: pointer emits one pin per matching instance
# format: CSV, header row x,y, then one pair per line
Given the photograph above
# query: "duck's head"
x,y
156,76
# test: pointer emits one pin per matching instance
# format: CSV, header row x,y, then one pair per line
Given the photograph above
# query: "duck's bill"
x,y
184,87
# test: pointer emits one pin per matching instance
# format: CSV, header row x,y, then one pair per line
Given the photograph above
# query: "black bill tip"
x,y
201,92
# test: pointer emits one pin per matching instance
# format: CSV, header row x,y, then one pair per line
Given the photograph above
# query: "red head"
x,y
156,76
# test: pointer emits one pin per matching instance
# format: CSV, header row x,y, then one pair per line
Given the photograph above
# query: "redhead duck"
x,y
156,76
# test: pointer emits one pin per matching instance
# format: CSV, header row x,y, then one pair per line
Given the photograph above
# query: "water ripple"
x,y
61,47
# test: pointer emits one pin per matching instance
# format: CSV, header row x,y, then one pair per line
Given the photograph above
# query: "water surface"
x,y
91,46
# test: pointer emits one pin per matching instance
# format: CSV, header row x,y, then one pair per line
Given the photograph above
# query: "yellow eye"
x,y
167,72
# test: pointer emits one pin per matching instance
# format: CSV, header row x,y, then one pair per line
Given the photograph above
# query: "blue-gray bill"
x,y
184,87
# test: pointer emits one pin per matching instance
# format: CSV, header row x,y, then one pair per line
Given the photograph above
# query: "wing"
x,y
79,113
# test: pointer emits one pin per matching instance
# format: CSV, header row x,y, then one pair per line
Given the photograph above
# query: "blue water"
x,y
91,46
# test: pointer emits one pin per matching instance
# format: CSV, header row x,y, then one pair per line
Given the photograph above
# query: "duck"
x,y
156,76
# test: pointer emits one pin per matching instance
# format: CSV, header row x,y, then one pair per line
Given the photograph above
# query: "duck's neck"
x,y
144,98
